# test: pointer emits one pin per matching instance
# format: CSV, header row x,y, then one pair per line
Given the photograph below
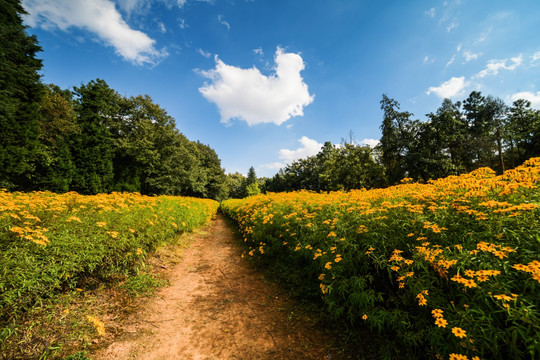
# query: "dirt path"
x,y
218,307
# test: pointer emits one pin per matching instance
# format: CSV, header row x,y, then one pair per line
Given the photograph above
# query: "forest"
x,y
90,139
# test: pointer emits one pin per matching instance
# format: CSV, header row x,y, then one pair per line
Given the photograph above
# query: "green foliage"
x,y
81,355
20,95
252,189
142,284
51,243
415,263
233,184
343,167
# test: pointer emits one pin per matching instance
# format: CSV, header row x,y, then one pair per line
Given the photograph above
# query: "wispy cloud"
x,y
258,51
494,66
451,88
162,28
451,61
248,95
182,24
451,26
204,53
223,22
428,59
98,17
469,55
534,58
430,12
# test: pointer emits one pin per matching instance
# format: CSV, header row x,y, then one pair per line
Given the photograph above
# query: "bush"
x,y
50,242
448,269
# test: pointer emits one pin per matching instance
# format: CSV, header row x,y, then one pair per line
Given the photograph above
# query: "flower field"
x,y
445,270
51,242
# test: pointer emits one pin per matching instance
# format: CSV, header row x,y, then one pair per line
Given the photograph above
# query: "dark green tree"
x,y
20,96
215,187
395,140
96,105
523,132
54,167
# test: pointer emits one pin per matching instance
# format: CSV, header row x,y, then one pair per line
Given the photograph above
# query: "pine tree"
x,y
20,95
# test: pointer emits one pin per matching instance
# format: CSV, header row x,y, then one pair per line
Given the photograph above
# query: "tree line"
x,y
480,131
93,140
89,139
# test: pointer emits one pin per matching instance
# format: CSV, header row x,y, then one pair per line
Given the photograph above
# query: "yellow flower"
x,y
440,322
98,325
364,317
458,357
328,265
459,332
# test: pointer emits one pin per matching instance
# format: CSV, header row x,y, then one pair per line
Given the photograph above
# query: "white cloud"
x,y
535,57
142,6
459,48
430,12
99,17
453,87
223,22
468,55
182,24
451,26
483,36
258,51
451,61
162,28
204,53
428,59
129,5
371,142
248,95
309,147
493,66
527,95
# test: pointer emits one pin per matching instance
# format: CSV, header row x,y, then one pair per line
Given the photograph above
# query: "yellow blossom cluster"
x,y
460,238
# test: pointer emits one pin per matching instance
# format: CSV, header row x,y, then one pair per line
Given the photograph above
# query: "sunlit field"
x,y
448,270
50,243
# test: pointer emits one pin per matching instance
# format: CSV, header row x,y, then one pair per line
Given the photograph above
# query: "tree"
x,y
20,95
251,186
234,185
395,140
215,187
96,105
54,167
350,167
523,131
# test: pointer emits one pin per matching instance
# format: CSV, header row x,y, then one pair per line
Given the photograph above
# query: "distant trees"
x,y
343,167
458,137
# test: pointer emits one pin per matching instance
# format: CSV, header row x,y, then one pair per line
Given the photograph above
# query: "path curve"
x,y
218,307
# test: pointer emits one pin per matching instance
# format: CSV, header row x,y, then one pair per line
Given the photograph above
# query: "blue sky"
x,y
265,82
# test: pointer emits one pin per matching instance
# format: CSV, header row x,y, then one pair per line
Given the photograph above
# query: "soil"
x,y
219,306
